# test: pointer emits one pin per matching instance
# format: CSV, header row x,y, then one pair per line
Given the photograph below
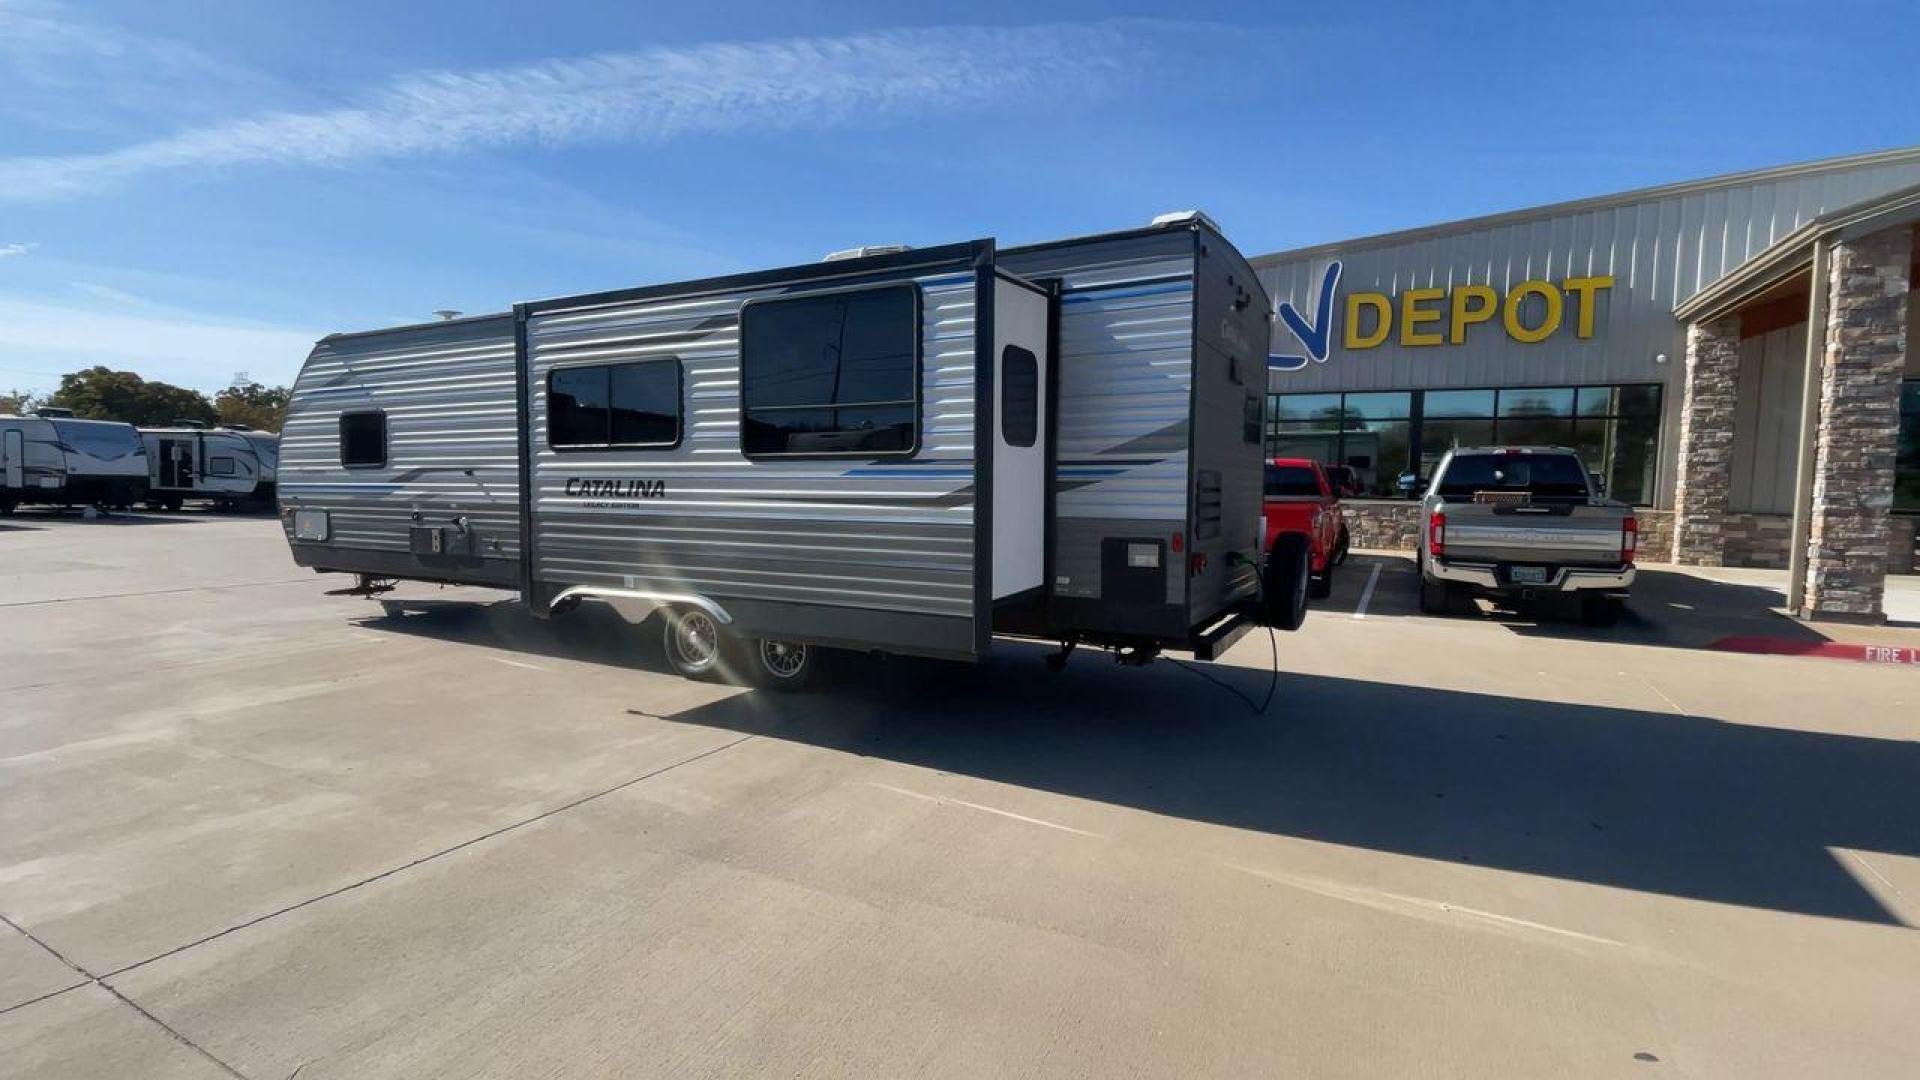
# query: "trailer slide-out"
x,y
900,451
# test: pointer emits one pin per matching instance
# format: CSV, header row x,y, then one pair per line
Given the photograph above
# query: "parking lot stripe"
x,y
1366,594
986,810
1398,904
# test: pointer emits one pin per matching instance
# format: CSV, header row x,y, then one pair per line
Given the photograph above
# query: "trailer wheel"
x,y
6,507
784,665
173,502
694,643
1284,592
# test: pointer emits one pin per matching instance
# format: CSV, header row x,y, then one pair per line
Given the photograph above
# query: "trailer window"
x,y
220,466
833,373
609,405
363,439
1019,396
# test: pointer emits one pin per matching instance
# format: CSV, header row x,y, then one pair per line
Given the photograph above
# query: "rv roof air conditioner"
x,y
52,412
865,250
1182,217
197,425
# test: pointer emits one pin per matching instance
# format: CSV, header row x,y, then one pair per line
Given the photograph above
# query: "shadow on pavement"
x,y
1655,802
1668,608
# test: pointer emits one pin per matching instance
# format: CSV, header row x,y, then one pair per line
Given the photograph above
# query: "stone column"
x,y
1866,350
1706,442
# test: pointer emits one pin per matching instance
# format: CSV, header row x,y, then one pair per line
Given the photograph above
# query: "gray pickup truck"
x,y
1520,522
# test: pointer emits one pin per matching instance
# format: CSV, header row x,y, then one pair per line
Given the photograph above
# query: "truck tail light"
x,y
1437,534
1629,539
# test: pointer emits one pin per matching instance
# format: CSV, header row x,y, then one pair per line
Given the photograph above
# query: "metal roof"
x,y
1793,253
1598,202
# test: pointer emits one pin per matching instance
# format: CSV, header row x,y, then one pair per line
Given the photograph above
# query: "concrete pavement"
x,y
247,829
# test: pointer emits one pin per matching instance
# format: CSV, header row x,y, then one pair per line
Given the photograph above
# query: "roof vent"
x,y
865,250
53,412
1185,217
196,425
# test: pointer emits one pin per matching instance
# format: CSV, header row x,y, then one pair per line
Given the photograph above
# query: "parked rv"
x,y
57,460
900,451
231,465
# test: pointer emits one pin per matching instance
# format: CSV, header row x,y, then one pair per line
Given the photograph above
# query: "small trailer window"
x,y
363,439
609,405
219,466
1019,396
832,373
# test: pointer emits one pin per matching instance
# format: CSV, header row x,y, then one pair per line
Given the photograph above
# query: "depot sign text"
x,y
1441,316
1418,317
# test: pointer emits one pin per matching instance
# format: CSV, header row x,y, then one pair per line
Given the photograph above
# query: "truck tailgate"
x,y
1570,536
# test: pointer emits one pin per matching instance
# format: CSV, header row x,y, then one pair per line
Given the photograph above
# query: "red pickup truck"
x,y
1303,507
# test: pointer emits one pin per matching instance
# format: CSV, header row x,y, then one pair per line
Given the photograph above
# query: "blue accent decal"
x,y
1314,335
1087,296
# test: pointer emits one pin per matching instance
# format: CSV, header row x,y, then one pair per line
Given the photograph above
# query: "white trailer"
x,y
232,466
907,451
63,461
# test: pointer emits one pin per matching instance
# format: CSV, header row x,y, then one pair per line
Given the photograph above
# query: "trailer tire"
x,y
1284,592
783,665
6,507
695,645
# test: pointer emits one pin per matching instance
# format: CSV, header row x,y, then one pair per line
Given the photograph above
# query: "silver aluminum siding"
x,y
452,435
878,534
1126,383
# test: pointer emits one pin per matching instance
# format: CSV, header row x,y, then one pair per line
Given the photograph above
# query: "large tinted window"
x,y
635,404
1906,463
836,373
1292,482
363,439
1019,396
1540,475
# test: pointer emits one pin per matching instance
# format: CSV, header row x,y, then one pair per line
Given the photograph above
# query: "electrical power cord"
x,y
1273,680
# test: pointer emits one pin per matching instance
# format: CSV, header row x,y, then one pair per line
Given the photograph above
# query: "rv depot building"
x,y
1671,335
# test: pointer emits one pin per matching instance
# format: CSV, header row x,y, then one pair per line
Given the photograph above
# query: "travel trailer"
x,y
231,465
893,451
58,460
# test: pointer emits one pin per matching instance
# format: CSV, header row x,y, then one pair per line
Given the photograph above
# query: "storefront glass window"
x,y
1906,463
1615,429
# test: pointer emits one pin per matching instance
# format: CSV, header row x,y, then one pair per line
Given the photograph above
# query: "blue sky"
x,y
190,189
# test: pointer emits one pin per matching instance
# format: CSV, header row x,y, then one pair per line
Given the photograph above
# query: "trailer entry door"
x,y
1019,437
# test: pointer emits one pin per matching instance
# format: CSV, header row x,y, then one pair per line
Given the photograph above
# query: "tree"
x,y
18,402
100,393
256,406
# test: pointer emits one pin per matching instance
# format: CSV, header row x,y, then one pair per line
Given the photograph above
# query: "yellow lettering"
x,y
1584,289
1464,316
1382,319
1511,314
1412,315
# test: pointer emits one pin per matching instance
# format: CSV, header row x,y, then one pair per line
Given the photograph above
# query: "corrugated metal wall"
x,y
1766,423
1661,247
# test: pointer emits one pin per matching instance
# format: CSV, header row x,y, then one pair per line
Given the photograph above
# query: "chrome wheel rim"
x,y
695,640
783,659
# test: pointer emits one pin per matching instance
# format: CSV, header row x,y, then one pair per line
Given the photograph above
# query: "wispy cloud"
x,y
650,95
67,71
9,250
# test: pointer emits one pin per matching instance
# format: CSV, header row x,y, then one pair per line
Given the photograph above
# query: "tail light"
x,y
1437,534
1177,542
1629,539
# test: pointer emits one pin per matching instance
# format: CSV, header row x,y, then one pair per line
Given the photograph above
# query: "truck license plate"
x,y
1529,575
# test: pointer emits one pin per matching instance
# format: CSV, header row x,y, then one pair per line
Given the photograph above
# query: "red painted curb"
x,y
1832,650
